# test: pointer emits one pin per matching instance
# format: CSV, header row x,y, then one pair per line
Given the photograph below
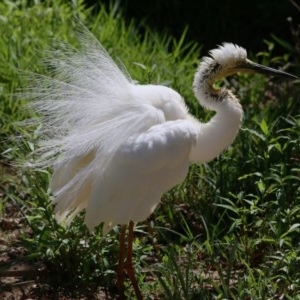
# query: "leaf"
x,y
264,127
293,228
258,174
253,132
231,206
261,186
277,146
283,43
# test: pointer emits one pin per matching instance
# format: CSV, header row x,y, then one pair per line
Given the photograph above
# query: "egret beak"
x,y
250,66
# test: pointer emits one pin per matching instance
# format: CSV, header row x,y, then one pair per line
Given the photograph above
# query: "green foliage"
x,y
230,231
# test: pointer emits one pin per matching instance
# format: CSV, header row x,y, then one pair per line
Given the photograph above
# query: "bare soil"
x,y
20,277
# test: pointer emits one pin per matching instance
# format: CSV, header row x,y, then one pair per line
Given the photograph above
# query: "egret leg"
x,y
120,275
129,264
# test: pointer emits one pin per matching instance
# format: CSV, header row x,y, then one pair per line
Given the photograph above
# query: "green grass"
x,y
230,231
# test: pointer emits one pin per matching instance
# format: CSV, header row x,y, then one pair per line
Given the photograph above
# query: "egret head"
x,y
226,60
231,59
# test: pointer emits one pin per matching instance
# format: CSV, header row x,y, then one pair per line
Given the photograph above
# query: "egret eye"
x,y
240,63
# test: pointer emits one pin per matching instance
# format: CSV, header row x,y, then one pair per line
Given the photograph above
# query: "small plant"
x,y
230,231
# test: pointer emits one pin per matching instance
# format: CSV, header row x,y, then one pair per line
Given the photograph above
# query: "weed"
x,y
230,231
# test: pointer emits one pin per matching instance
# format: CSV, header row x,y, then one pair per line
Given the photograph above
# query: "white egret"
x,y
117,146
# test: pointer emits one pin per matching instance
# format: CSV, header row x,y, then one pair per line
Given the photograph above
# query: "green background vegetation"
x,y
230,231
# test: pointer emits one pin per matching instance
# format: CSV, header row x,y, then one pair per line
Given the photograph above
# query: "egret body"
x,y
117,146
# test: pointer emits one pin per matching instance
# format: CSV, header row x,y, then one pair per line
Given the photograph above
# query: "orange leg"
x,y
129,264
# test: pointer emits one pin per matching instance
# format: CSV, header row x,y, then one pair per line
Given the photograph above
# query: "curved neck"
x,y
216,135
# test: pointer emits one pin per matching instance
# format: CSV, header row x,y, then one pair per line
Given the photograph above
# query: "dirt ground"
x,y
18,278
21,279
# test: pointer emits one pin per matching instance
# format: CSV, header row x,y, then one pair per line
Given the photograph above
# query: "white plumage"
x,y
117,146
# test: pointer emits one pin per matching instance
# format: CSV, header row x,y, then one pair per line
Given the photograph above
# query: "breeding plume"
x,y
117,146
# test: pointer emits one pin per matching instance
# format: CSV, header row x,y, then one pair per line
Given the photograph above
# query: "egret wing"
x,y
143,168
89,153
